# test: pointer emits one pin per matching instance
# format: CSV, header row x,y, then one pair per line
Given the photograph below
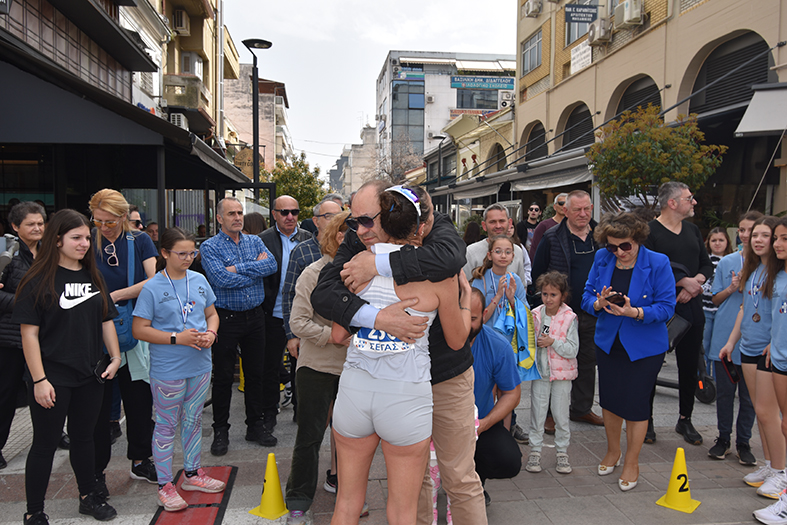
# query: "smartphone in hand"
x,y
616,298
731,369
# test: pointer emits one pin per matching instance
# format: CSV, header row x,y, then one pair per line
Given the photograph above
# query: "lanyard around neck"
x,y
187,307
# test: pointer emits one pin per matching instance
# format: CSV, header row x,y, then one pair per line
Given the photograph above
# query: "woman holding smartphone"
x,y
65,313
631,291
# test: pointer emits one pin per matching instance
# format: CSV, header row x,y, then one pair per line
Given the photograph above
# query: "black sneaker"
x,y
720,449
487,498
101,486
145,471
650,435
520,436
114,431
269,420
261,434
65,442
221,441
3,462
745,457
687,430
96,506
331,482
36,518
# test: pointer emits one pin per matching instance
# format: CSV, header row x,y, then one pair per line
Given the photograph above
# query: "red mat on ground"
x,y
203,509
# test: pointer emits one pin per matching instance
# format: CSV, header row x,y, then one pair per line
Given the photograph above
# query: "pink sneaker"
x,y
169,498
202,483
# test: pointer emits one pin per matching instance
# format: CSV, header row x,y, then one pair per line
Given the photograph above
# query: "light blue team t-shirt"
x,y
728,310
493,364
158,302
489,286
755,336
779,322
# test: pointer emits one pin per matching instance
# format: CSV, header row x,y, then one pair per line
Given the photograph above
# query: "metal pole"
x,y
255,110
161,187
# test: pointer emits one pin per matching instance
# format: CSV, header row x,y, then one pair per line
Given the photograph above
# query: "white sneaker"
x,y
756,478
774,485
775,514
534,462
563,466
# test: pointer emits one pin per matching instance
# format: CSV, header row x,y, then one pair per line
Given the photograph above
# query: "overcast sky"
x,y
330,52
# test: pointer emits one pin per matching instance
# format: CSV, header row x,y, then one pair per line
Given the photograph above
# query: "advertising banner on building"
x,y
581,57
580,14
466,82
455,113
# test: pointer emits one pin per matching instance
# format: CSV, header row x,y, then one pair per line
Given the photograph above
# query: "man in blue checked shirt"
x,y
235,265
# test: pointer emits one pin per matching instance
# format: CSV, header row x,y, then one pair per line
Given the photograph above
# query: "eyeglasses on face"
x,y
501,251
284,213
561,203
533,209
109,224
363,220
326,215
185,255
136,222
625,246
112,260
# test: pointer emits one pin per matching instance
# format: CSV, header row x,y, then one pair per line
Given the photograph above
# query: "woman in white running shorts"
x,y
385,391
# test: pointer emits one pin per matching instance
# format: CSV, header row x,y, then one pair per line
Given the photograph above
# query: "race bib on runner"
x,y
379,342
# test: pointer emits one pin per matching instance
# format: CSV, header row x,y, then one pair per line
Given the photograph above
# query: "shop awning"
x,y
474,193
767,112
553,180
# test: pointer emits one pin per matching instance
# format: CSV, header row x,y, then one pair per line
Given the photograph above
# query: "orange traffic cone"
x,y
272,502
678,496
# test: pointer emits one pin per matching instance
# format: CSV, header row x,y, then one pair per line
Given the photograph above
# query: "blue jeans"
x,y
725,399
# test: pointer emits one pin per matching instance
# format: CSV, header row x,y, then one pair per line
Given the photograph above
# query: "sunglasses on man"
x,y
284,213
363,220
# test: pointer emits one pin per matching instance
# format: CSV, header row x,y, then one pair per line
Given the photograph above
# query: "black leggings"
x,y
82,405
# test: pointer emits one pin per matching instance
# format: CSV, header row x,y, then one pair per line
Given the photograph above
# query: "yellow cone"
x,y
678,496
272,502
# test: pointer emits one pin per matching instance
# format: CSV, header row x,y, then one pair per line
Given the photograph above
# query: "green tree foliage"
x,y
638,153
296,179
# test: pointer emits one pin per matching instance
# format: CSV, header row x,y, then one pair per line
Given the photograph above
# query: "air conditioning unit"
x,y
181,22
532,8
506,103
628,14
180,120
430,99
397,70
599,32
507,95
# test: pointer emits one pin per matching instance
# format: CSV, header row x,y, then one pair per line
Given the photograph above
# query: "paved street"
x,y
581,497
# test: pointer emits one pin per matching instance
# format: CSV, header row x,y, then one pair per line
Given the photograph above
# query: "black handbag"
x,y
677,327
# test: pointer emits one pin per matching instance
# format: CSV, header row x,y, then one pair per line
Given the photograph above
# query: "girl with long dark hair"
x,y
65,313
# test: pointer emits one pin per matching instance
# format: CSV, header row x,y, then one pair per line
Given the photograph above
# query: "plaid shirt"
x,y
301,256
242,290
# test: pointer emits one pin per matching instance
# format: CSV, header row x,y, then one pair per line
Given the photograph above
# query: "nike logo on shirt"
x,y
78,289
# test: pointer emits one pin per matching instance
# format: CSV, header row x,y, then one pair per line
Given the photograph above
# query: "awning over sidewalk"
x,y
767,111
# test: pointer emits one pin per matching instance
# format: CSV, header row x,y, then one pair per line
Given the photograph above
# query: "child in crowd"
x,y
175,314
753,329
728,299
556,358
718,245
775,513
500,288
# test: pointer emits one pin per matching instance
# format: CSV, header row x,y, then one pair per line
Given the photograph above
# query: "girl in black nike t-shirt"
x,y
65,315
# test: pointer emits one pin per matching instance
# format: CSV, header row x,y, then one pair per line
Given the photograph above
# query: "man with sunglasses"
x,y
134,218
681,241
441,256
560,212
569,248
235,265
526,228
280,239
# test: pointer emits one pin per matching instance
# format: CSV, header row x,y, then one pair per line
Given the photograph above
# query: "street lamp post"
x,y
252,44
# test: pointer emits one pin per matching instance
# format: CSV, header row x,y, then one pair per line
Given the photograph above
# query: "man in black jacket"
x,y
570,248
442,256
280,239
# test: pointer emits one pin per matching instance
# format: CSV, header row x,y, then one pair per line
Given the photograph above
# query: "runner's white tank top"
x,y
380,354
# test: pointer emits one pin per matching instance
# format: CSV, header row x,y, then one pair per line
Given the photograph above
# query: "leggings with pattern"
x,y
179,401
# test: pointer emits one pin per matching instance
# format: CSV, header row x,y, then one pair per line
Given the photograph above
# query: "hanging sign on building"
x,y
245,161
467,82
580,14
581,57
455,113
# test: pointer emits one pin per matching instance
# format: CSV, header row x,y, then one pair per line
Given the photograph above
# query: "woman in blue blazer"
x,y
632,292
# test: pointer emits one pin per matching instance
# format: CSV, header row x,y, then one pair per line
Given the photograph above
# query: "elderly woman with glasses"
x,y
631,291
113,239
